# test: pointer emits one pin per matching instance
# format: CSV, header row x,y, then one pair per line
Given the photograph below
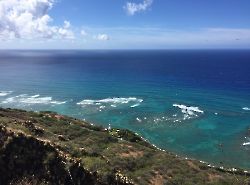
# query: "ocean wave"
x,y
5,93
35,99
158,119
135,105
246,144
189,111
114,102
246,108
139,120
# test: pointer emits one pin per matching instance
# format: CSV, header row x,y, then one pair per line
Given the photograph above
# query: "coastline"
x,y
98,150
240,171
167,87
230,169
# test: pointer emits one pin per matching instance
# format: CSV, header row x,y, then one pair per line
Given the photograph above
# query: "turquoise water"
x,y
193,103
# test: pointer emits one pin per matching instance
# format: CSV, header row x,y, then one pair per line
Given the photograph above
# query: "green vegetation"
x,y
47,148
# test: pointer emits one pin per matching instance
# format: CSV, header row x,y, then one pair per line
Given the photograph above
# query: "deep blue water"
x,y
195,103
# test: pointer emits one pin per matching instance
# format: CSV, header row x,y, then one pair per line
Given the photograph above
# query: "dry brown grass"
x,y
158,179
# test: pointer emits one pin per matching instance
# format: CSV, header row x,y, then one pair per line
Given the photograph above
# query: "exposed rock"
x,y
39,148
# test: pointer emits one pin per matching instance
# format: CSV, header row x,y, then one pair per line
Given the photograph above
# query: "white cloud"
x,y
67,24
65,32
145,38
29,19
163,38
175,38
133,8
83,33
102,37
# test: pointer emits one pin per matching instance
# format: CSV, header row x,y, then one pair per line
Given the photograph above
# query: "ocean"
x,y
195,103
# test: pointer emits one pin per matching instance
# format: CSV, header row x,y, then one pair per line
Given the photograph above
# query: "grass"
x,y
111,154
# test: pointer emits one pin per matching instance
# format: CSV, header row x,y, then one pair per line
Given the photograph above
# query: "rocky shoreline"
x,y
47,148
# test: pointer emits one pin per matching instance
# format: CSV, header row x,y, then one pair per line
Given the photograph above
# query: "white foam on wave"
x,y
246,108
139,120
189,111
246,144
135,105
35,99
113,101
102,107
5,93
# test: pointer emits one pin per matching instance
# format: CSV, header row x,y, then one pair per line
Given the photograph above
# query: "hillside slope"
x,y
47,148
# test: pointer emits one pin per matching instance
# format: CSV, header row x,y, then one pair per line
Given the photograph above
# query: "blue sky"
x,y
124,24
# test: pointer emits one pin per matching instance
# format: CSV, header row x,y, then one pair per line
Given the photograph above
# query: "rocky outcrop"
x,y
24,156
39,148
